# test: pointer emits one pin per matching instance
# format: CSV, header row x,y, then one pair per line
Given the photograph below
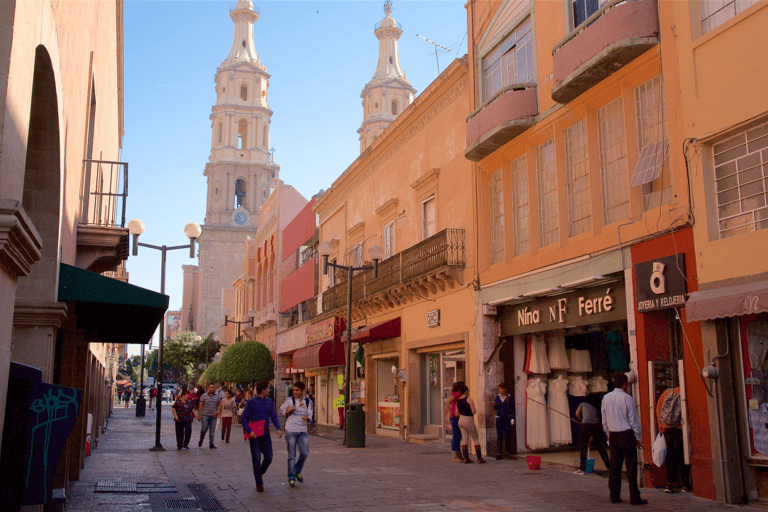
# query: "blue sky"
x,y
320,55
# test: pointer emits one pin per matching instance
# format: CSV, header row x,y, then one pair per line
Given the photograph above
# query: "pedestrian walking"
x,y
311,396
669,417
590,430
208,412
226,411
183,414
260,408
298,413
152,398
622,425
467,411
453,418
504,405
127,397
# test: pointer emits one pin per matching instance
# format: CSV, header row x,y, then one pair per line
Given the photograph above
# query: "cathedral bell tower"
x,y
389,92
240,172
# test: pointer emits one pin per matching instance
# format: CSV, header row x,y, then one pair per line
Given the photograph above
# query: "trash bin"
x,y
355,426
141,407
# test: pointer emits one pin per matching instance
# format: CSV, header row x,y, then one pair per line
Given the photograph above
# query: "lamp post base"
x,y
158,448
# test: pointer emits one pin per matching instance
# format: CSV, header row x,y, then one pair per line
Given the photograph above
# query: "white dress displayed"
x,y
556,353
577,385
539,362
536,421
580,361
598,384
559,416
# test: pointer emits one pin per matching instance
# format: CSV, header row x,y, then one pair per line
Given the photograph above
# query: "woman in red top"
x,y
453,418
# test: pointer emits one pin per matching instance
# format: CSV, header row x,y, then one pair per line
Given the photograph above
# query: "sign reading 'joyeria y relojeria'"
x,y
660,283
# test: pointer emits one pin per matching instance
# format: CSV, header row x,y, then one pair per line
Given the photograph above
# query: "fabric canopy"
x,y
108,310
729,301
328,353
379,331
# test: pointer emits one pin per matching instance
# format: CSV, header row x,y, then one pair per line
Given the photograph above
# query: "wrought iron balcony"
x,y
618,32
499,120
102,238
411,275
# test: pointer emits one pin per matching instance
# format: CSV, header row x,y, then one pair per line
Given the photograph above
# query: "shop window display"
x,y
755,349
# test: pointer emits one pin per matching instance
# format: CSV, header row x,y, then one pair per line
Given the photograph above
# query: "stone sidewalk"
x,y
386,475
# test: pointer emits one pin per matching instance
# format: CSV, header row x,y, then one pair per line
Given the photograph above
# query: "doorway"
x,y
443,369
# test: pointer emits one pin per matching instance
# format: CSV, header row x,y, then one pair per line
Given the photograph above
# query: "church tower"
x,y
240,171
389,92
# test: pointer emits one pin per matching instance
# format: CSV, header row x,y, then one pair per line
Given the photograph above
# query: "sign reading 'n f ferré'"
x,y
660,283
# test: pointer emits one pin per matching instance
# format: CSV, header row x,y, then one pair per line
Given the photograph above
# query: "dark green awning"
x,y
108,310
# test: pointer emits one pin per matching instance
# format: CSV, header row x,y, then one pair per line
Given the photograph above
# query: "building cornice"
x,y
20,243
39,314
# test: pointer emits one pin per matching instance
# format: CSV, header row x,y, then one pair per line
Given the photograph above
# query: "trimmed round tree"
x,y
211,374
246,362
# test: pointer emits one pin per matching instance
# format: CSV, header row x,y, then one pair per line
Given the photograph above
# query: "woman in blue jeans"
x,y
453,418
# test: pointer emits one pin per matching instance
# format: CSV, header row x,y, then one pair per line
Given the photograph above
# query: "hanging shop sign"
x,y
433,318
660,283
326,330
582,307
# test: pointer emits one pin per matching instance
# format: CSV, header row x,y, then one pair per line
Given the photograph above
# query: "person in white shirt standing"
x,y
298,412
622,425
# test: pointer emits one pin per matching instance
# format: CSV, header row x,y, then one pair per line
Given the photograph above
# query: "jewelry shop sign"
x,y
660,283
587,306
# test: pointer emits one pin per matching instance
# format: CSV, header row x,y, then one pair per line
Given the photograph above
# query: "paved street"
x,y
385,475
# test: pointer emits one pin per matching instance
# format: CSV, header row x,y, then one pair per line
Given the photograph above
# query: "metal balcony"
x,y
102,238
612,37
416,273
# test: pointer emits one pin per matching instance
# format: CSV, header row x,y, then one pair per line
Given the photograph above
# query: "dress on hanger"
x,y
580,361
577,385
559,417
617,353
598,384
539,362
536,422
597,350
558,357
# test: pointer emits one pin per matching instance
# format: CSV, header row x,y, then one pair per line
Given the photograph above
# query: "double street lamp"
x,y
251,316
376,254
192,231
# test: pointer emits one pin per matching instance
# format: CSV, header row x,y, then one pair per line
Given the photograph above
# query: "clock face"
x,y
241,218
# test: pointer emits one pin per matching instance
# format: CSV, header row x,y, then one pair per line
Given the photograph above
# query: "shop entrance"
x,y
443,369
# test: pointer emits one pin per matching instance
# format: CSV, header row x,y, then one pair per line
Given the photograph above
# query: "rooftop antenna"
x,y
436,47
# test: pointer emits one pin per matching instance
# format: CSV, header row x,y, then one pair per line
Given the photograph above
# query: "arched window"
x,y
394,107
242,133
239,193
244,92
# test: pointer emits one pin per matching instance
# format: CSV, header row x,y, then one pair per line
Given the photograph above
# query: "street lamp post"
x,y
192,231
376,254
251,316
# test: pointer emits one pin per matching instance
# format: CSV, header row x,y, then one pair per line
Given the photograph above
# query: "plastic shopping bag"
x,y
659,450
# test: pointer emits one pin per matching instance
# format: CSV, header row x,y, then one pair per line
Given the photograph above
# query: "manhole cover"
x,y
180,504
119,487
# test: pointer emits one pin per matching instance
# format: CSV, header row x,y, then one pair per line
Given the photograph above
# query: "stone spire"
x,y
244,17
388,93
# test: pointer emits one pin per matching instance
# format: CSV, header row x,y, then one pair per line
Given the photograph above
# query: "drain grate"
x,y
441,452
177,504
117,487
146,487
205,498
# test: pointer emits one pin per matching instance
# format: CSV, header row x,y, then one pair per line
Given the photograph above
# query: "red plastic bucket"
x,y
534,462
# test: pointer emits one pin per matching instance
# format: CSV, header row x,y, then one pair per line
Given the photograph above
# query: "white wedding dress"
x,y
536,421
539,361
557,355
559,414
577,385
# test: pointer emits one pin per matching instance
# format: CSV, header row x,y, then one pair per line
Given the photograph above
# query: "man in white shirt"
x,y
622,425
298,412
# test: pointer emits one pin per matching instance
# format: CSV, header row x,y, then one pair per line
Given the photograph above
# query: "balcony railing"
x,y
445,250
105,191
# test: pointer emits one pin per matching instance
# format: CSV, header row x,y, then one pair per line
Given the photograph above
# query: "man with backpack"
x,y
298,413
669,417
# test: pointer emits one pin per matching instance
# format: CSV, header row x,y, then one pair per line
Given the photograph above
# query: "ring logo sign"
x,y
660,284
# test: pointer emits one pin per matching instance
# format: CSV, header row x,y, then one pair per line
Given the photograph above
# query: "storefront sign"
x,y
326,330
660,283
582,307
433,318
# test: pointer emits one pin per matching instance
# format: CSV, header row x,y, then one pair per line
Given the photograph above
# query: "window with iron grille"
x,y
577,173
510,61
716,12
389,239
546,182
613,161
496,191
741,182
652,169
519,175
